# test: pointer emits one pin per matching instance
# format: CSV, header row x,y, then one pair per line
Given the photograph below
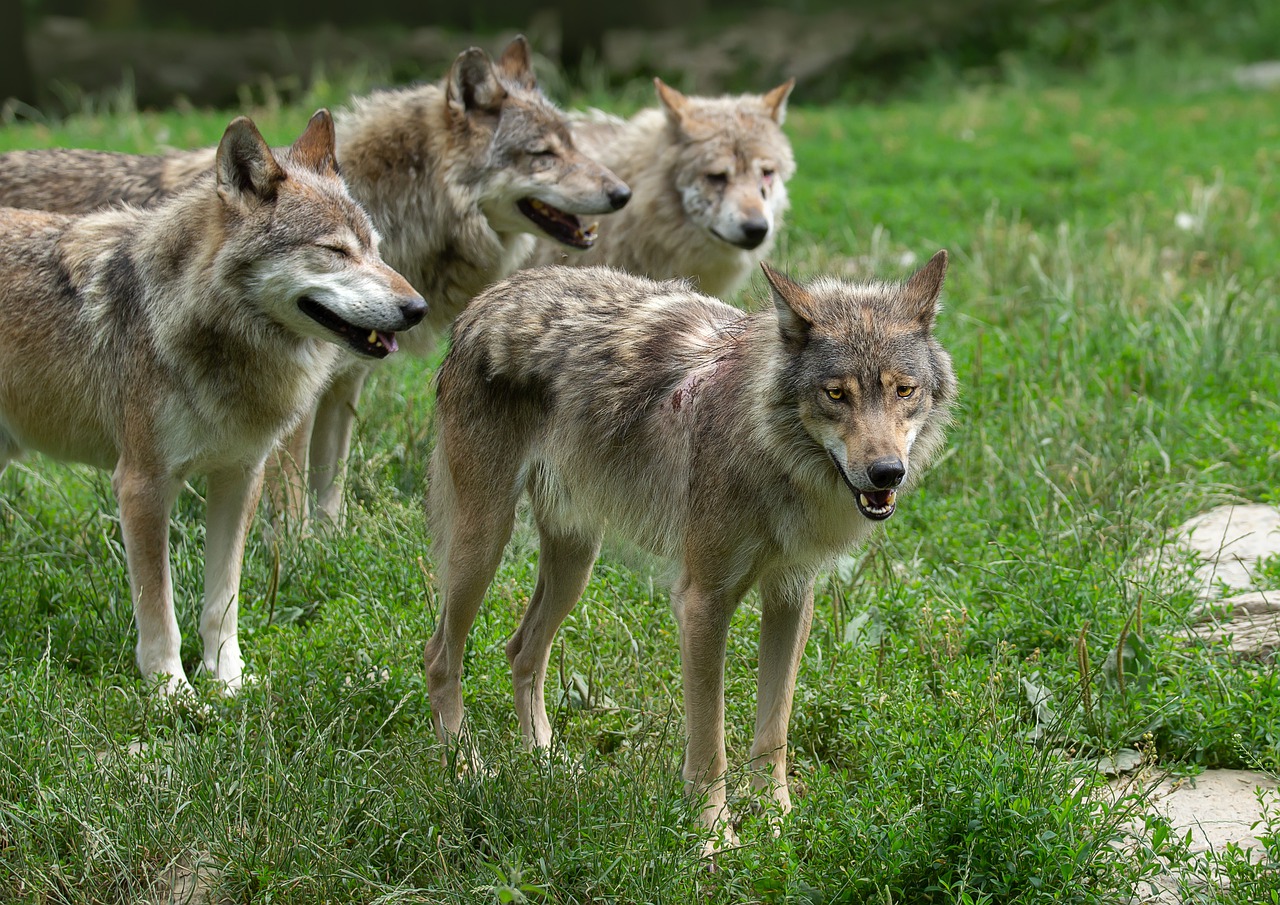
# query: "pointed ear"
x,y
676,103
516,64
924,287
245,166
316,147
473,85
792,303
775,102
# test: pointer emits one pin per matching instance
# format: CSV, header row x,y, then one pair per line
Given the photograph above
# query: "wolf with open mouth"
x,y
749,449
184,339
458,175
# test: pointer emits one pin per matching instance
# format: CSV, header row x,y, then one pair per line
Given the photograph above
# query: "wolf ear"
x,y
775,102
473,85
516,64
245,165
676,103
316,147
792,303
924,287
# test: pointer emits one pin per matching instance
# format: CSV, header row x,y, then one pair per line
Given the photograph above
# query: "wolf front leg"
x,y
786,615
146,497
704,618
232,498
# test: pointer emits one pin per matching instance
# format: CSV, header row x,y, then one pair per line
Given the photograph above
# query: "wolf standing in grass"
x,y
709,177
750,449
186,339
457,175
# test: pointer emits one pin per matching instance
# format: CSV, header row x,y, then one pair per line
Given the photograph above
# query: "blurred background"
x,y
58,55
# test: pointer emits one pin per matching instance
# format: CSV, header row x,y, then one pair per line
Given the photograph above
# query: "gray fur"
x,y
172,341
738,445
700,169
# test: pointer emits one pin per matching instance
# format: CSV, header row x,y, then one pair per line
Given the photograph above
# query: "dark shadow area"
x,y
169,52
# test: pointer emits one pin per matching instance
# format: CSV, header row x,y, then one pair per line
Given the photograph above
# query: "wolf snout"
x,y
619,195
886,473
754,231
413,308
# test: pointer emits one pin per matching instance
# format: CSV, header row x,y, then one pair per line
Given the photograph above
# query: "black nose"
x,y
413,309
886,473
754,231
619,196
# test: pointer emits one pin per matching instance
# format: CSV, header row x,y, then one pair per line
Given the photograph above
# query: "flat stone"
x,y
1248,625
1229,542
1218,808
1259,76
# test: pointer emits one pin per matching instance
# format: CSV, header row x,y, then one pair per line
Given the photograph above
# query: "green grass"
x,y
1119,374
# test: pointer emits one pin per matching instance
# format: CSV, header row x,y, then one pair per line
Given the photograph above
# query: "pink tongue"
x,y
388,340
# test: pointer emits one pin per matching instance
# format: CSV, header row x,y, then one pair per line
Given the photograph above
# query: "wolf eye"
x,y
767,173
906,392
541,152
337,250
835,393
718,178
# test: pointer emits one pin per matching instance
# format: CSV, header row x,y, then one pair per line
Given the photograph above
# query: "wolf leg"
x,y
232,498
564,565
8,450
786,614
146,499
335,420
704,618
286,476
473,510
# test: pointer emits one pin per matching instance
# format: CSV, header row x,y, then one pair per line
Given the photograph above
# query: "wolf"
x,y
750,449
458,176
709,179
186,339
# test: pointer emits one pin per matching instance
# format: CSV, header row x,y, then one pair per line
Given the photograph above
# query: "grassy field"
x,y
1113,309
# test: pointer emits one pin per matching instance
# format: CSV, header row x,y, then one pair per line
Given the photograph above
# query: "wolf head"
x,y
531,177
867,381
301,248
734,161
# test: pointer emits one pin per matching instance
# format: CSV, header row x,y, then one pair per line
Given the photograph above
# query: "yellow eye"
x,y
905,392
835,393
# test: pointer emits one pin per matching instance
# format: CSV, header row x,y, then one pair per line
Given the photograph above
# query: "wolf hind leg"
x,y
286,477
334,423
564,566
472,503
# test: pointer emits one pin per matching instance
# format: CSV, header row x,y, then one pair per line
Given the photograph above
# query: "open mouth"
x,y
559,225
876,505
371,343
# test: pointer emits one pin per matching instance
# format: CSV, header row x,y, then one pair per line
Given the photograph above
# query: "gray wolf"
x,y
709,177
749,449
457,175
186,339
